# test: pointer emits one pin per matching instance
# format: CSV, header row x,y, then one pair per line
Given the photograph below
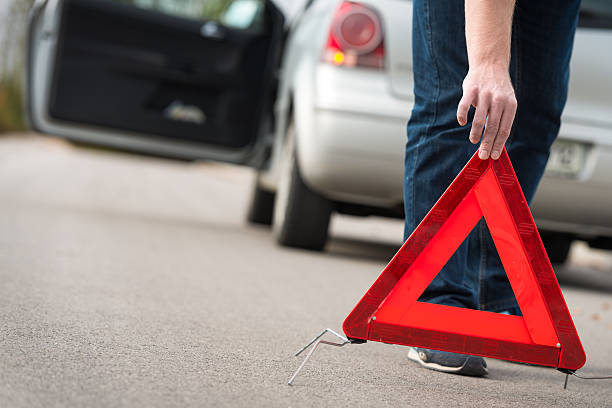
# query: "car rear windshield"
x,y
596,14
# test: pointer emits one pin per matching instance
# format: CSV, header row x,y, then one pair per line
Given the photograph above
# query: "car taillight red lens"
x,y
355,38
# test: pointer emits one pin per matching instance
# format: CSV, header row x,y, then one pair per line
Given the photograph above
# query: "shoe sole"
x,y
472,366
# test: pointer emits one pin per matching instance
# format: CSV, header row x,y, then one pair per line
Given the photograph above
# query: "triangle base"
x,y
457,343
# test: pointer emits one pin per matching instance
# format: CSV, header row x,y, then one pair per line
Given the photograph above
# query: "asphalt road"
x,y
129,281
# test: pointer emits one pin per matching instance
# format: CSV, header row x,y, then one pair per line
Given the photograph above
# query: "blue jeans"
x,y
437,147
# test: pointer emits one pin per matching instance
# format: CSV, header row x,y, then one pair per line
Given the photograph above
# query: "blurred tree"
x,y
214,8
204,9
12,38
11,115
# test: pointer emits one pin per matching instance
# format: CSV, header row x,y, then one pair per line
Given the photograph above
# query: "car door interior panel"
x,y
128,68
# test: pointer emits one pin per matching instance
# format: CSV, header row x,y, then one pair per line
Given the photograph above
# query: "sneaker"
x,y
446,362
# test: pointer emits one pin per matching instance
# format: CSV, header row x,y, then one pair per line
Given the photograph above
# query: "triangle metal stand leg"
x,y
316,341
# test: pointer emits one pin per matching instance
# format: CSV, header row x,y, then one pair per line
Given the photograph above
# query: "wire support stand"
x,y
582,377
316,341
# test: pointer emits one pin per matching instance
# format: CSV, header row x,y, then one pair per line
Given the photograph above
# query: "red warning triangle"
x,y
389,312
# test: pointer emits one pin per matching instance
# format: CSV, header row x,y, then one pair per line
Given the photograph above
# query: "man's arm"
x,y
487,86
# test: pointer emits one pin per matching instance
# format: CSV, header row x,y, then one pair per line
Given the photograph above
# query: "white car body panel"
x,y
584,205
356,148
350,122
337,111
590,91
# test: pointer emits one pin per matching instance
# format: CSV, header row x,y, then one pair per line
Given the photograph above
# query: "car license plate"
x,y
566,159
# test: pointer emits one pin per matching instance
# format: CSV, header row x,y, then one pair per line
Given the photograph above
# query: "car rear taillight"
x,y
355,38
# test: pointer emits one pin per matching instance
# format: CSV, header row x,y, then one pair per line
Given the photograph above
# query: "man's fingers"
x,y
505,127
491,128
464,107
479,120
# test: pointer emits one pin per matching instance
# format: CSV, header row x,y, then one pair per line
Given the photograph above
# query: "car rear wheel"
x,y
301,216
557,246
261,208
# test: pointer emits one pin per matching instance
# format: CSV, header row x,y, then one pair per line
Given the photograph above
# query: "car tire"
x,y
301,216
557,246
261,207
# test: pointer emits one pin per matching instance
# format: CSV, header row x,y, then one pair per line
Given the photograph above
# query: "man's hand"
x,y
487,86
490,91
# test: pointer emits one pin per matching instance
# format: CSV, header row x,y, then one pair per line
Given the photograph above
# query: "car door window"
x,y
236,14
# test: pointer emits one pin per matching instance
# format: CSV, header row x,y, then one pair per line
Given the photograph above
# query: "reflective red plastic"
x,y
390,312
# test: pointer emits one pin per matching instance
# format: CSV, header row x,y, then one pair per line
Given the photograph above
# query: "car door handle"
x,y
212,29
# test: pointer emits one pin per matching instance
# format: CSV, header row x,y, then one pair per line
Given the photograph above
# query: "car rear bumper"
x,y
581,206
354,144
356,158
352,138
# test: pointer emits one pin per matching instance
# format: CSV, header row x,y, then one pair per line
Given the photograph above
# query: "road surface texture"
x,y
135,282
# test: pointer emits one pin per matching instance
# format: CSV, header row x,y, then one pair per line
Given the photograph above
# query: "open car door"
x,y
188,79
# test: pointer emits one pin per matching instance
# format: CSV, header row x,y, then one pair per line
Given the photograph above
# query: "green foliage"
x,y
213,9
198,9
12,36
11,114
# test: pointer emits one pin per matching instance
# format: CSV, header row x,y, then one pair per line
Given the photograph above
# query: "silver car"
x,y
317,103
